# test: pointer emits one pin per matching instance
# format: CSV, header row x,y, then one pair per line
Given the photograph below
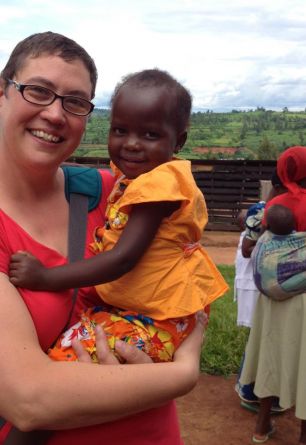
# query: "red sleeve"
x,y
5,252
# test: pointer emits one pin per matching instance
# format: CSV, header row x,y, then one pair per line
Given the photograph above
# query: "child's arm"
x,y
247,247
144,221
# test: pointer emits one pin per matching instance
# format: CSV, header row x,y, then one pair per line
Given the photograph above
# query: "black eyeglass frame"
x,y
21,87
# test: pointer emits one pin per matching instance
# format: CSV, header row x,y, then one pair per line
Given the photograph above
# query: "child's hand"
x,y
26,271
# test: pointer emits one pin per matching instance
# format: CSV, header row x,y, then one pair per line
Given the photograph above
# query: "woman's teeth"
x,y
45,136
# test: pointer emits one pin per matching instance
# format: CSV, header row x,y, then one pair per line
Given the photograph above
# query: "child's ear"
x,y
180,141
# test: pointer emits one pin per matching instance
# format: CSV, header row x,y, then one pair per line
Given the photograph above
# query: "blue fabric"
x,y
255,208
245,392
253,220
85,181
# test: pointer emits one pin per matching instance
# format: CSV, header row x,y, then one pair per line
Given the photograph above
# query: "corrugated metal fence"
x,y
228,186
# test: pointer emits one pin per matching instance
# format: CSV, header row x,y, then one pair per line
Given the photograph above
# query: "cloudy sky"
x,y
237,54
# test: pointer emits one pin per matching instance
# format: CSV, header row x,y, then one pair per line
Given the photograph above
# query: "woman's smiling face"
x,y
43,134
142,133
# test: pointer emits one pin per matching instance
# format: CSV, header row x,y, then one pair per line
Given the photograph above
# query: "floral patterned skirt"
x,y
158,338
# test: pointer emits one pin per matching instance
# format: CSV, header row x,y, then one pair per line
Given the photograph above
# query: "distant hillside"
x,y
259,134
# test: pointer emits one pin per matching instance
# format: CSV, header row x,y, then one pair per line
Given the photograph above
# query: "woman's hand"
x,y
188,352
130,354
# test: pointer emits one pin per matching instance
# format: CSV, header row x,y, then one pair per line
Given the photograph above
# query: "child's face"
x,y
142,133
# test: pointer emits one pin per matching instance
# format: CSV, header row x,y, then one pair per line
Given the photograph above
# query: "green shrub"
x,y
225,341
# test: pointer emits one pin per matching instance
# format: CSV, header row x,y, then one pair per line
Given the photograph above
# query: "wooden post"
x,y
265,188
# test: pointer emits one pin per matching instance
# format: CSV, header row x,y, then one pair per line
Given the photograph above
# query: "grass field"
x,y
245,131
225,342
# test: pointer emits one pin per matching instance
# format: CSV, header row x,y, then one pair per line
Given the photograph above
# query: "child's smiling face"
x,y
143,133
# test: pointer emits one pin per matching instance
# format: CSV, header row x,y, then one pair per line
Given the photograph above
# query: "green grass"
x,y
225,341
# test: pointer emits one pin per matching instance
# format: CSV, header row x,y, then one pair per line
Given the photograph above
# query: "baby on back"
x,y
279,257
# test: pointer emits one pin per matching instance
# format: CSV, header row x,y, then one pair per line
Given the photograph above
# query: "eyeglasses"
x,y
35,94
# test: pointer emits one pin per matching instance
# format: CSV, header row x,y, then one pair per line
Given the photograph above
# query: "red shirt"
x,y
50,312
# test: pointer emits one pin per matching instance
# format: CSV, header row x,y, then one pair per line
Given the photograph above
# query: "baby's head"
x,y
150,112
280,220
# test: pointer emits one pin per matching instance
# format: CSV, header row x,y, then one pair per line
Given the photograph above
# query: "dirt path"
x,y
221,246
211,413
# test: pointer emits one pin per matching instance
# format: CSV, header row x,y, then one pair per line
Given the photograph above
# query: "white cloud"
x,y
229,54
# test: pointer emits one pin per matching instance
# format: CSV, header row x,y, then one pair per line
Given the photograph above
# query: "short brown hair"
x,y
49,43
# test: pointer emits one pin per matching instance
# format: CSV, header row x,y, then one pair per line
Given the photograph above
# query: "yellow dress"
x,y
175,277
172,281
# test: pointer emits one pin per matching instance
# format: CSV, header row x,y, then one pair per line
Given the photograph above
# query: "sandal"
x,y
254,407
262,438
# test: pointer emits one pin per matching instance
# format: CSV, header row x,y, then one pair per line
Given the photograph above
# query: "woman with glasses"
x,y
46,91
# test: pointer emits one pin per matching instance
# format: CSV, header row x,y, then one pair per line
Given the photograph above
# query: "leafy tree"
x,y
267,150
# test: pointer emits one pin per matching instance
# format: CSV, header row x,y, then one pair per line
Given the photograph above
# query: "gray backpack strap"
x,y
78,210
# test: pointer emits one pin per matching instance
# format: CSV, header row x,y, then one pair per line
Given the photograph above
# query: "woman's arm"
x,y
36,392
144,221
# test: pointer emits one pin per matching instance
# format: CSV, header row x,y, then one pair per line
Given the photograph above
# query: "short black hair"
x,y
280,220
182,99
